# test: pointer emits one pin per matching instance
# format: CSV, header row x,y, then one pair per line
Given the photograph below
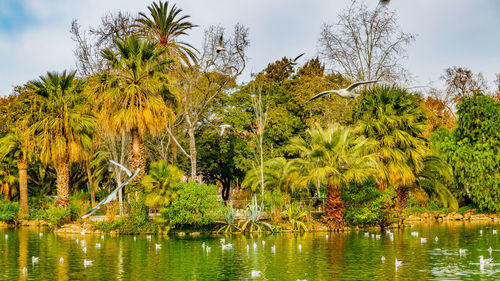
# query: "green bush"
x,y
198,205
137,221
367,206
9,211
36,214
58,216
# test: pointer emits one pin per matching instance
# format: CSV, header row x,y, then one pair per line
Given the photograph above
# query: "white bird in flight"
x,y
220,45
345,93
127,171
292,62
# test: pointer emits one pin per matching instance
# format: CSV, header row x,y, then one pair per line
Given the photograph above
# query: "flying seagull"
x,y
127,171
292,62
223,128
112,195
345,93
220,46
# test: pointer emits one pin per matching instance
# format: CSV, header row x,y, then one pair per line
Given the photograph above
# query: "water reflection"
x,y
341,256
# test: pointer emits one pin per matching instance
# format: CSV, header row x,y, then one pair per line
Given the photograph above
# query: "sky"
x,y
35,38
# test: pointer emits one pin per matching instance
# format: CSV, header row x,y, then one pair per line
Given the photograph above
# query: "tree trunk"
x,y
22,166
192,152
402,201
226,186
62,183
90,183
137,156
334,213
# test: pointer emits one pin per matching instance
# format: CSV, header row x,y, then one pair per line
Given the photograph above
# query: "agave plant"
x,y
252,217
295,215
229,221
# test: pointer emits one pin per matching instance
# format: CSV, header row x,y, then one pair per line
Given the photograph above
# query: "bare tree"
x,y
460,82
215,73
90,42
365,44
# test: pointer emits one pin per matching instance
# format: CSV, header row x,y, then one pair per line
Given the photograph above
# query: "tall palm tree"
x,y
64,128
336,156
394,118
166,26
130,93
15,144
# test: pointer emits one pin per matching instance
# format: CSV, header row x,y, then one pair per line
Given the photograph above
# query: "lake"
x,y
355,255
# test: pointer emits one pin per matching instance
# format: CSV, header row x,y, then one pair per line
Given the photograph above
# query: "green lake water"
x,y
353,255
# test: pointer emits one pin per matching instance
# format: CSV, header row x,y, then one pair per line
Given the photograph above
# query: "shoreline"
x,y
315,226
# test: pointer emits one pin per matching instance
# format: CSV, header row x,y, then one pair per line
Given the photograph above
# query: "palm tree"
x,y
15,144
130,94
166,25
162,185
394,118
433,179
336,156
278,173
63,129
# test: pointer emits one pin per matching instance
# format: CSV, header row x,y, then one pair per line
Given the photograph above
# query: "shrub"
x,y
36,214
197,205
58,216
296,215
366,205
162,185
9,211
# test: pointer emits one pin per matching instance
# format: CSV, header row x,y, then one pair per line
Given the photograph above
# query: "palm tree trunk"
x,y
402,200
22,166
137,157
62,183
334,213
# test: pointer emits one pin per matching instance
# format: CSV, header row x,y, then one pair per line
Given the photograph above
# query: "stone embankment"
x,y
468,215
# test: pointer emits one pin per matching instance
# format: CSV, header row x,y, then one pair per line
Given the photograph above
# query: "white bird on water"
x,y
436,239
415,234
135,238
84,231
383,259
255,273
263,242
490,250
254,245
483,261
6,236
398,263
273,249
462,251
423,240
226,246
98,245
480,232
84,250
326,236
222,240
494,231
367,234
248,248
300,247
102,237
208,249
34,259
41,234
344,93
157,246
203,245
61,259
25,270
87,262
148,237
